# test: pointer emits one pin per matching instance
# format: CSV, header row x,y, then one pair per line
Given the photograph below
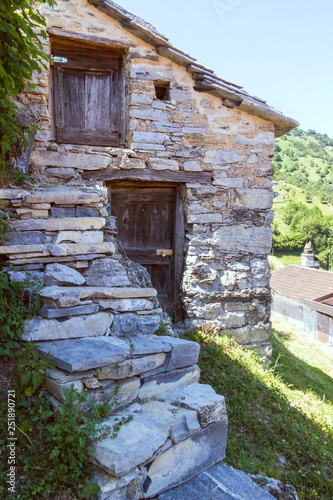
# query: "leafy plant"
x,y
21,53
15,308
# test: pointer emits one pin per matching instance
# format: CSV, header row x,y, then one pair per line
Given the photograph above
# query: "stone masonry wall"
x,y
228,235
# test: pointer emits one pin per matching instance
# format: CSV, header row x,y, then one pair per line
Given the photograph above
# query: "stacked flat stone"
x,y
98,329
178,426
86,286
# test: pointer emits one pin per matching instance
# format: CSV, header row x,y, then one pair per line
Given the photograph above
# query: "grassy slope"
x,y
300,148
280,420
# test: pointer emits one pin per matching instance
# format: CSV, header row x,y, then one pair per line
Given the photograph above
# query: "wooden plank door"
x,y
149,223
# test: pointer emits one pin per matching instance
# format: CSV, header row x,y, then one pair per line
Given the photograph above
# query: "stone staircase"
x,y
98,325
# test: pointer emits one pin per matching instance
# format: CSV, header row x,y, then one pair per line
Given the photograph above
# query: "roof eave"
x,y
205,79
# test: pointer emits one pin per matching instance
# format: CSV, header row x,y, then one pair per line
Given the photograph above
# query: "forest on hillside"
x,y
303,208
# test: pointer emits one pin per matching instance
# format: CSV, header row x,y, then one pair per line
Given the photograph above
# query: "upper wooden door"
x,y
88,96
150,226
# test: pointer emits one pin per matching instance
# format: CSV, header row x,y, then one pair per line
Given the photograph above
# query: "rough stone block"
x,y
191,166
186,459
254,199
77,327
132,367
126,487
149,137
59,274
163,382
114,394
106,272
25,238
133,324
56,389
202,398
62,212
257,240
86,212
135,443
163,164
262,139
84,354
50,313
182,422
184,352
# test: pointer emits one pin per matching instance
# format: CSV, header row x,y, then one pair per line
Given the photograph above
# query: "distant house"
x,y
304,296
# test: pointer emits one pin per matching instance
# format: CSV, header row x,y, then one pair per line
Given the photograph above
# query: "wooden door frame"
x,y
179,234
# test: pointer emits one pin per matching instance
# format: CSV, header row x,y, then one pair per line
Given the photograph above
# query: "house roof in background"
x,y
298,282
205,79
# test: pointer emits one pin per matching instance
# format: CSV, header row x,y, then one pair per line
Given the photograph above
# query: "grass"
x,y
288,258
280,420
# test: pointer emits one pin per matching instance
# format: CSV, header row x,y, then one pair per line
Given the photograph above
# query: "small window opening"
x,y
162,90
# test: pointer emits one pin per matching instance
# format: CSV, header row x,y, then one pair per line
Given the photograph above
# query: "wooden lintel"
x,y
149,175
70,36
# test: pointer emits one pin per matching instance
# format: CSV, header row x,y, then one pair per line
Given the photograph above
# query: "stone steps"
x,y
97,325
178,426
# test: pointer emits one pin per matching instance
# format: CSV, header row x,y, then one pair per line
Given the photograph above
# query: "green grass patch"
x,y
280,420
288,258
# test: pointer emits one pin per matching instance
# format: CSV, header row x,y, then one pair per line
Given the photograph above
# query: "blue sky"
x,y
279,50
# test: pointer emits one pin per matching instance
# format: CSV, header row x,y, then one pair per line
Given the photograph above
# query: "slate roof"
x,y
205,80
298,282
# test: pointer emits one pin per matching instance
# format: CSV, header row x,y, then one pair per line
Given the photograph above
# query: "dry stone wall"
x,y
98,325
228,236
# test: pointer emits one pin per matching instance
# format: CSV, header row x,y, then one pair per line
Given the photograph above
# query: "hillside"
x,y
303,209
305,159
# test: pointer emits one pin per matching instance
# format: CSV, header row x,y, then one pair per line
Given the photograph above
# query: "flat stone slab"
x,y
187,459
96,292
202,398
62,197
135,443
163,382
70,224
63,249
83,354
184,352
142,346
219,482
49,313
92,325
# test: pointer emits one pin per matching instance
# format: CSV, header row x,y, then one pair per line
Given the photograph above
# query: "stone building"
x,y
185,155
139,141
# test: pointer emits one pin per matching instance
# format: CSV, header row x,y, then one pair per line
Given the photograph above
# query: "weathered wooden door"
x,y
150,226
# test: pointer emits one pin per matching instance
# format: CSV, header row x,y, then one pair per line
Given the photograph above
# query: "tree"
x,y
21,53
